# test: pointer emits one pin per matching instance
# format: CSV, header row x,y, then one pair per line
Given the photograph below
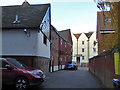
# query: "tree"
x,y
111,40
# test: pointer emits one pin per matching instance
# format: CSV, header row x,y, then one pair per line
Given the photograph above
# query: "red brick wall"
x,y
67,51
60,51
55,46
103,68
101,25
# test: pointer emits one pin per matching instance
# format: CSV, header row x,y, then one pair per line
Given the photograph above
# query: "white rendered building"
x,y
82,48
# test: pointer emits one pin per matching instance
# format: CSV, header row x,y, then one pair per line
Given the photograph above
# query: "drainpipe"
x,y
50,38
77,52
88,48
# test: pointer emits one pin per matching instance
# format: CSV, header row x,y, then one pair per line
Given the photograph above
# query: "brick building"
x,y
65,47
61,48
103,26
54,49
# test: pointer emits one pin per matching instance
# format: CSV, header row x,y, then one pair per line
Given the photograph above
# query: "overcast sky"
x,y
77,15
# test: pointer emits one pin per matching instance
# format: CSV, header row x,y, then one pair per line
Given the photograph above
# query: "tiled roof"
x,y
77,35
29,16
88,34
66,35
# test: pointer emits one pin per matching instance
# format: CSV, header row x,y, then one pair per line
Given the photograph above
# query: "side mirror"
x,y
8,67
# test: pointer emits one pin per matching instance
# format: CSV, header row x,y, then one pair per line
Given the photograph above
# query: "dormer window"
x,y
16,20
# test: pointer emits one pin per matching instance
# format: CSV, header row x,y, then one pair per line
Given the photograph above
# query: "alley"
x,y
80,78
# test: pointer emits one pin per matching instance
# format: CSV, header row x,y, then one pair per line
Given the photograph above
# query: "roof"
x,y
53,28
88,34
77,35
66,34
28,16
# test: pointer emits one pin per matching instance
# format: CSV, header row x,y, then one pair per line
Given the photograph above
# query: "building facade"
x,y
84,48
54,49
66,47
61,48
104,27
26,34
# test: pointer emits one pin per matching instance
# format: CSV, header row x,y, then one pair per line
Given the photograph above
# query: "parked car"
x,y
19,75
116,83
71,65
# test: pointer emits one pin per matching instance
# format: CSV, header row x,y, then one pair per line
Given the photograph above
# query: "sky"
x,y
77,15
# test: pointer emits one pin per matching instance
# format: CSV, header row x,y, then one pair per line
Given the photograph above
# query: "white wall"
x,y
85,46
16,42
42,49
92,39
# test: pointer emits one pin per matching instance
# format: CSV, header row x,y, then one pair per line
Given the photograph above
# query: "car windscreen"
x,y
16,63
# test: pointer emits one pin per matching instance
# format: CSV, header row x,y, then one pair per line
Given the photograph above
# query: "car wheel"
x,y
21,83
76,68
115,86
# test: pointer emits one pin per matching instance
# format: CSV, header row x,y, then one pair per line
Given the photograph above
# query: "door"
x,y
52,64
78,60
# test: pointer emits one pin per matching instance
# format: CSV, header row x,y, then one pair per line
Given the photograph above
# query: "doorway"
x,y
78,60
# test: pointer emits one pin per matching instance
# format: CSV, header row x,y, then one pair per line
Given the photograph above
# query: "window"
x,y
82,49
4,64
44,39
65,59
94,49
108,20
83,58
65,44
61,41
82,42
94,43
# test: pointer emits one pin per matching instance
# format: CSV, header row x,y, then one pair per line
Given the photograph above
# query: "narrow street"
x,y
80,78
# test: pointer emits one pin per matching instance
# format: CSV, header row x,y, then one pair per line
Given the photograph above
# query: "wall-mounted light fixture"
x,y
27,32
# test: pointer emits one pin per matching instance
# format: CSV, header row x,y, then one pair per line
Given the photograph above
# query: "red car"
x,y
15,73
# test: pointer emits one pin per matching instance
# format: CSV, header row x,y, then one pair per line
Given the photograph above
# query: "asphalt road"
x,y
80,78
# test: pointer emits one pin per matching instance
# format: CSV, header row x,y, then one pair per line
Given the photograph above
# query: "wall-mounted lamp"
x,y
25,30
27,33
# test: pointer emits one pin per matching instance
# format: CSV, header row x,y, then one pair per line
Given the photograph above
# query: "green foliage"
x,y
110,41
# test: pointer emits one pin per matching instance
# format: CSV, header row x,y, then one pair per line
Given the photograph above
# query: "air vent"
x,y
16,20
